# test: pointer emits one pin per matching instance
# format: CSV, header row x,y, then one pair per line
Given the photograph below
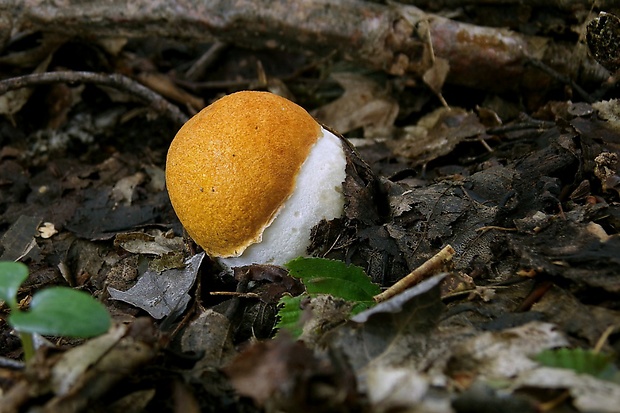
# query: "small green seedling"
x,y
323,276
55,311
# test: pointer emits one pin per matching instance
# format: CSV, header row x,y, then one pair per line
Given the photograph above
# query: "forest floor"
x,y
489,129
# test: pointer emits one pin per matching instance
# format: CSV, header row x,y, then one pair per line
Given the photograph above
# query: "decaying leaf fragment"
x,y
286,375
588,394
209,334
364,104
394,332
82,375
162,294
506,353
436,134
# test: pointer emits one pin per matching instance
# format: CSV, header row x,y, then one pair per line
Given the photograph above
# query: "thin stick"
x,y
235,294
603,339
424,271
200,66
116,81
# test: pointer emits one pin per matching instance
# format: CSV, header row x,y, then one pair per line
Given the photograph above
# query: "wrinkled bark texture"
x,y
395,38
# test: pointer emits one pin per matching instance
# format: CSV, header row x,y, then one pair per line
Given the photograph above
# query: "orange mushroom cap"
x,y
232,166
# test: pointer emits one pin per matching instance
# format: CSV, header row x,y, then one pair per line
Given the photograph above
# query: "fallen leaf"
x,y
505,353
123,191
143,243
47,230
74,363
162,294
19,239
393,332
436,134
364,104
285,375
588,394
210,335
436,75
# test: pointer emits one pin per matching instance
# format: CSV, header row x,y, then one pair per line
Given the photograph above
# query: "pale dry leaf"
x,y
364,104
47,230
435,76
75,362
588,394
143,243
395,387
506,353
609,110
123,190
162,294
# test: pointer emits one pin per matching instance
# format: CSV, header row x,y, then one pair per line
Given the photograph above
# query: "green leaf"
x,y
578,360
12,275
61,311
289,315
322,276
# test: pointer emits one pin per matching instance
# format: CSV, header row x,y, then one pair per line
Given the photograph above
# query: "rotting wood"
x,y
391,38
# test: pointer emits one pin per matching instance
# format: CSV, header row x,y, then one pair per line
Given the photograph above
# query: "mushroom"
x,y
250,176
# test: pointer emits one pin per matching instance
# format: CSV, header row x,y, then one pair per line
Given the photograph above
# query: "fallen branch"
x,y
120,82
396,38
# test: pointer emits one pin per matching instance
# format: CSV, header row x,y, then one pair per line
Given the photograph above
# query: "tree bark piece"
x,y
394,38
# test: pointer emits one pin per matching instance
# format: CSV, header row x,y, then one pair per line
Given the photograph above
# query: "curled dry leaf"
x,y
393,333
142,243
364,104
436,134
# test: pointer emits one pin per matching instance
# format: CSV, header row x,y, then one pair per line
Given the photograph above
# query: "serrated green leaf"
x,y
330,277
578,360
289,315
61,311
12,275
323,276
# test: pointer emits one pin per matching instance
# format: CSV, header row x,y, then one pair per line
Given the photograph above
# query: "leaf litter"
x,y
525,189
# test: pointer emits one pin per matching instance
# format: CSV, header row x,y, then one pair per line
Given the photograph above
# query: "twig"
x,y
117,81
525,123
416,276
535,295
603,339
554,403
562,79
494,227
235,294
7,363
206,60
